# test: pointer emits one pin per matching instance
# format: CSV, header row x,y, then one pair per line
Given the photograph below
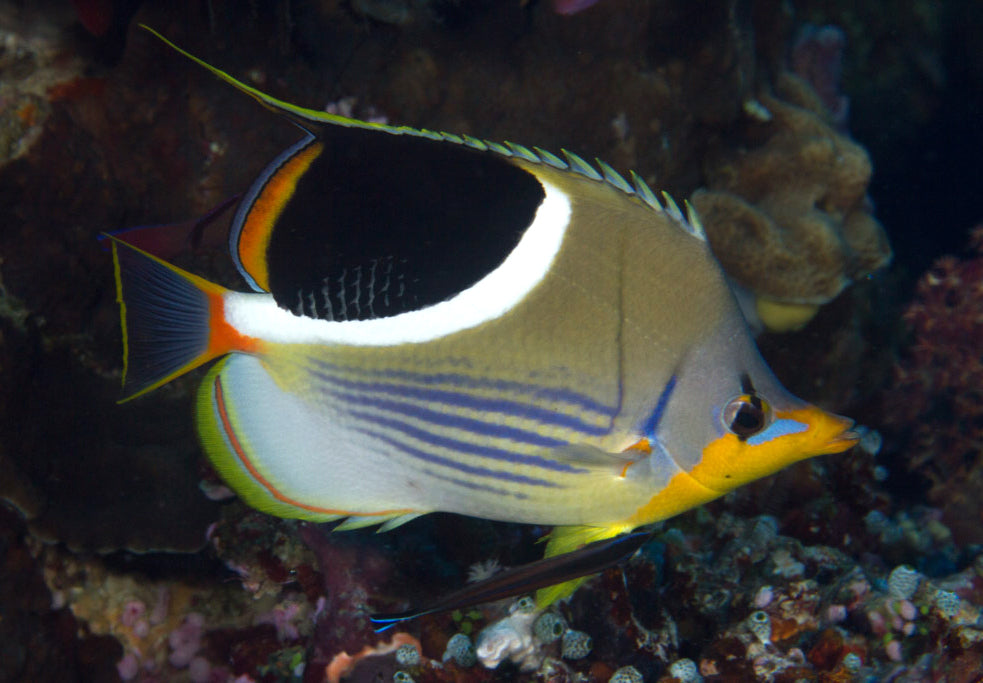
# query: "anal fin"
x,y
567,539
387,523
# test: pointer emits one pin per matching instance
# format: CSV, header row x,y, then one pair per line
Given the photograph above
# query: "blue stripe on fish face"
x,y
471,402
435,459
652,423
536,391
465,446
780,427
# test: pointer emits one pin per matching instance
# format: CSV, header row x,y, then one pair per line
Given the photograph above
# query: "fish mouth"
x,y
845,434
863,437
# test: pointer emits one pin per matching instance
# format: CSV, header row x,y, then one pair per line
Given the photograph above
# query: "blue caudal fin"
x,y
168,318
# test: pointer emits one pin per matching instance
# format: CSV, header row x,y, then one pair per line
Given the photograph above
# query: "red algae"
x,y
937,402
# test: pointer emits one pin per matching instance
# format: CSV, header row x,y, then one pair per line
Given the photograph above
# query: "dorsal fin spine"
x,y
614,178
644,192
475,143
580,166
522,152
551,159
693,222
498,148
672,208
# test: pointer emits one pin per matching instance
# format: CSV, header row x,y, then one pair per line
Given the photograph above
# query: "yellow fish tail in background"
x,y
442,323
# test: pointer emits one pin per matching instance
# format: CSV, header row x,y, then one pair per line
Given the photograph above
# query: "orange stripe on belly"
x,y
245,461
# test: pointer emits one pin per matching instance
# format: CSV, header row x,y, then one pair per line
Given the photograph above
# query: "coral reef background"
x,y
122,556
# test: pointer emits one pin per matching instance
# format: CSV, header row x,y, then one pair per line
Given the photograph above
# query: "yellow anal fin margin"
x,y
565,539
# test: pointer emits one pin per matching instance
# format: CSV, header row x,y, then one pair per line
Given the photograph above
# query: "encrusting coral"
x,y
787,213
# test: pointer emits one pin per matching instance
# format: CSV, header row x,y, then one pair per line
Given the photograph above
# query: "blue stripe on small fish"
x,y
465,446
433,458
781,427
471,402
652,423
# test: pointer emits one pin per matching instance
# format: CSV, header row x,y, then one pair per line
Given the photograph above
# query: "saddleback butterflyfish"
x,y
442,323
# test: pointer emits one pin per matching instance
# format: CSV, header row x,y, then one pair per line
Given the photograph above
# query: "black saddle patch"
x,y
381,224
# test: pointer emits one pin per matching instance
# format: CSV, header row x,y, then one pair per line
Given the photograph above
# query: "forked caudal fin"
x,y
172,321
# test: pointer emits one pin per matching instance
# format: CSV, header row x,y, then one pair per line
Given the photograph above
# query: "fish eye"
x,y
745,415
525,604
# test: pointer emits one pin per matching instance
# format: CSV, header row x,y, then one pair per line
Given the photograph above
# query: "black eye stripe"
x,y
747,386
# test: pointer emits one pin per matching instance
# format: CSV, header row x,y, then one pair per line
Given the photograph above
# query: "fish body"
x,y
440,323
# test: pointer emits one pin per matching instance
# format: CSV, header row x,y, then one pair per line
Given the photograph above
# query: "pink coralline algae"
x,y
134,617
284,618
936,405
128,667
350,574
185,640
